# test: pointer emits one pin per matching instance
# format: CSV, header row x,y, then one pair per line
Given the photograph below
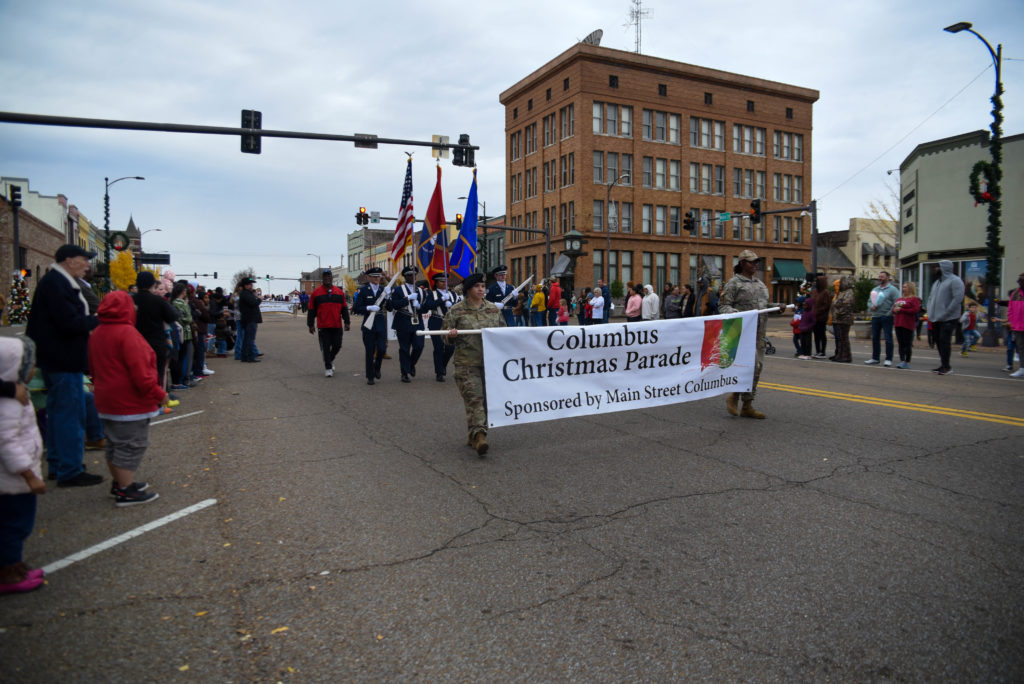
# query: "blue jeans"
x,y
538,319
1011,348
880,325
93,424
249,346
65,423
239,341
552,317
970,337
17,518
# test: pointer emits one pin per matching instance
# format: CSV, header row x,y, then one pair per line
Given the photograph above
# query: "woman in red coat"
x,y
904,321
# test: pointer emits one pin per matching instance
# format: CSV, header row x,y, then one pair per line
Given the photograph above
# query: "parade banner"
x,y
547,373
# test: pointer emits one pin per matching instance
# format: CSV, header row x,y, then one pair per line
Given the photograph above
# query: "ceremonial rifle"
x,y
368,323
515,292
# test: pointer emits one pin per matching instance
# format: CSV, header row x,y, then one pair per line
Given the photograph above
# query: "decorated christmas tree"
x,y
18,303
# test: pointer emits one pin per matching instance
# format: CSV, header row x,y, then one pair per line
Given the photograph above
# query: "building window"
x,y
646,218
789,112
513,145
627,169
750,105
707,98
598,216
547,94
625,216
748,139
798,231
788,145
694,177
515,112
648,171
613,166
627,266
776,228
529,105
674,167
549,130
598,167
673,221
660,217
660,169
568,121
646,266
662,89
705,179
613,81
707,133
565,84
531,138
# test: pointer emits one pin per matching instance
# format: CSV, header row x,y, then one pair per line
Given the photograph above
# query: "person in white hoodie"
x,y
21,450
651,305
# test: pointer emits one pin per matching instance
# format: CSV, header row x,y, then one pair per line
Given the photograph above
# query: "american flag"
x,y
403,231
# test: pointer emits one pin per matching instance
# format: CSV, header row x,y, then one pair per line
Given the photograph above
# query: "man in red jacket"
x,y
327,308
127,392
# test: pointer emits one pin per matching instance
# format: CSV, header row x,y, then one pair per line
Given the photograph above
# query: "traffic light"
x,y
688,224
215,275
462,156
15,195
251,119
268,276
362,218
458,221
755,211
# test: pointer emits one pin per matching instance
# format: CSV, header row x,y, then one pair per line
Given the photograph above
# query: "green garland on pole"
x,y
982,168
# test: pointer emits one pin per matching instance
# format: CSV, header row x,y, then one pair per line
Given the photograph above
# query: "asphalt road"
x,y
869,530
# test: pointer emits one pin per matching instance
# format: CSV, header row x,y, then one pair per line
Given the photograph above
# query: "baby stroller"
x,y
769,348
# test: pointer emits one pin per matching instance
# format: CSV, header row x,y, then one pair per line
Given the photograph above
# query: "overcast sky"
x,y
890,78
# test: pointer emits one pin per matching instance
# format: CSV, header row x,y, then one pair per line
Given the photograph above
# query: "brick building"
x,y
660,139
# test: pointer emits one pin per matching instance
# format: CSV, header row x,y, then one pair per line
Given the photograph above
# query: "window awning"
x,y
560,267
789,270
865,248
878,249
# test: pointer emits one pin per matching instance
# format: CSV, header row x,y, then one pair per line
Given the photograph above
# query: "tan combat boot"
x,y
750,412
732,403
480,443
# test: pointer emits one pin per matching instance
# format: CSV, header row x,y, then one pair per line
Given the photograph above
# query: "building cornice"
x,y
649,64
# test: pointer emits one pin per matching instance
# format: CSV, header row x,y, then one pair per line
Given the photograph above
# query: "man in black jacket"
x,y
249,312
59,324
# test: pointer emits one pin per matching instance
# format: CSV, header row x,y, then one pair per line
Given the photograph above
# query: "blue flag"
x,y
464,253
424,248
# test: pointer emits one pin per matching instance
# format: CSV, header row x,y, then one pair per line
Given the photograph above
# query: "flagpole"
x,y
479,331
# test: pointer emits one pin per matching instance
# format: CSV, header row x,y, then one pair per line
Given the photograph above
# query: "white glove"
x,y
499,305
414,296
387,291
373,307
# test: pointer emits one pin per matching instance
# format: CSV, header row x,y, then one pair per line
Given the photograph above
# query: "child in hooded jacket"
x,y
21,449
128,394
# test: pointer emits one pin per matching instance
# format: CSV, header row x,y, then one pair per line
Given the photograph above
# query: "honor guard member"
x,y
498,291
439,301
408,306
472,313
327,308
744,292
375,340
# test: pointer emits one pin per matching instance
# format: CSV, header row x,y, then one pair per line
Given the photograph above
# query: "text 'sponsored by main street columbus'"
x,y
535,374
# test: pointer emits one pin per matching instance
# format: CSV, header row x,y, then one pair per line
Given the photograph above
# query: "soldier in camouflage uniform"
x,y
744,292
472,313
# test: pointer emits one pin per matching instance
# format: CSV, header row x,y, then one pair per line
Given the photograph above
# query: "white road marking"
x,y
168,420
131,534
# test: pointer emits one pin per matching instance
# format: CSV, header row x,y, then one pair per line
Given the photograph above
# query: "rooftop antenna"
x,y
636,17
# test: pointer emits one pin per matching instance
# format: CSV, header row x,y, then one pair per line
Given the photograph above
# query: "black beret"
x,y
471,280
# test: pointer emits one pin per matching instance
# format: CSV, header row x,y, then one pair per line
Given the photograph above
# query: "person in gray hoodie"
x,y
944,306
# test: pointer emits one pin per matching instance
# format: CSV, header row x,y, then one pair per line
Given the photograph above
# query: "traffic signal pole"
x,y
249,134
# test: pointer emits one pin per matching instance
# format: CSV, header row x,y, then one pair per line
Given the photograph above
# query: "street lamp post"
x,y
138,264
608,229
994,175
317,260
106,219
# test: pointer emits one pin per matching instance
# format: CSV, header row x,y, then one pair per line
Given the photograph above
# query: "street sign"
x,y
440,153
725,216
160,259
366,140
374,217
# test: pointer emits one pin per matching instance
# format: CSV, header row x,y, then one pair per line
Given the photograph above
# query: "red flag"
x,y
434,223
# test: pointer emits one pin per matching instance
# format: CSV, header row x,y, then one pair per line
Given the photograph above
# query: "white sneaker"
x,y
887,362
871,362
1018,374
329,373
207,371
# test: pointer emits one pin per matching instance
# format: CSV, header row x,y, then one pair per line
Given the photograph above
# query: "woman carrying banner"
x,y
472,313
